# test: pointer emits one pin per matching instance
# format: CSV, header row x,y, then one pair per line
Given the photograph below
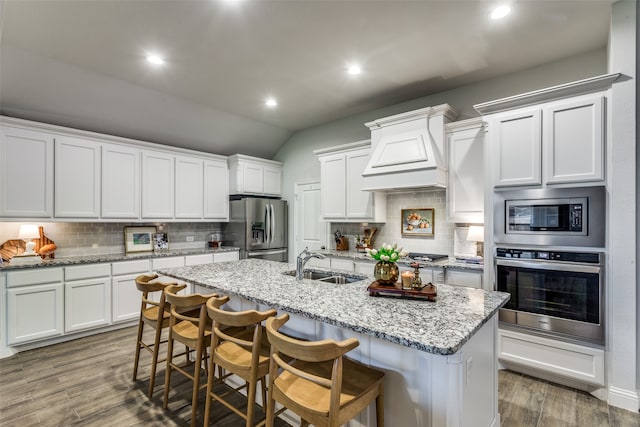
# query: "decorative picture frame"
x,y
417,222
138,239
160,242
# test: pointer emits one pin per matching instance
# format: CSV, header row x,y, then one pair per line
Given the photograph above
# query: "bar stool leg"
x,y
380,408
154,363
196,385
167,373
137,357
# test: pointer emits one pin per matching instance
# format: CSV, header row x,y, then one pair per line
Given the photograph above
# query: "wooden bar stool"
x,y
320,385
155,314
189,325
245,354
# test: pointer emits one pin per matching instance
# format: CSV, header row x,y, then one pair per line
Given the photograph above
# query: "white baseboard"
x,y
625,399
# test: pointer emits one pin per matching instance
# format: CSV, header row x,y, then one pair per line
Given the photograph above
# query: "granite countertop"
x,y
362,256
94,259
439,327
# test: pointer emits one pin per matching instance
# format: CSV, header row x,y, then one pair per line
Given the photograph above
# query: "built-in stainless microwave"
x,y
557,216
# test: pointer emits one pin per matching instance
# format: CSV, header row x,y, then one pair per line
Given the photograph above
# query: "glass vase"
x,y
386,272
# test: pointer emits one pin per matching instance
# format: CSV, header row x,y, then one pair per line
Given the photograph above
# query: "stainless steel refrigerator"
x,y
258,226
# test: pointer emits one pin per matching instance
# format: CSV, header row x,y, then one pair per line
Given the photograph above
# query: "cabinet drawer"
x,y
226,256
198,259
130,267
160,263
472,279
34,277
87,271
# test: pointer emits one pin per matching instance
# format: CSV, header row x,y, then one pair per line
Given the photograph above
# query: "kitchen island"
x,y
439,357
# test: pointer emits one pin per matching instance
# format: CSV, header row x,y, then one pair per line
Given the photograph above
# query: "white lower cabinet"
x,y
125,297
535,355
342,264
87,297
468,278
35,305
198,259
363,267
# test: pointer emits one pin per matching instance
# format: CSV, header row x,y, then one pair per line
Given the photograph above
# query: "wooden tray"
x,y
428,291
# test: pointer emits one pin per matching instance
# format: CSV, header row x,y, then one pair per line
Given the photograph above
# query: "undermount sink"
x,y
328,276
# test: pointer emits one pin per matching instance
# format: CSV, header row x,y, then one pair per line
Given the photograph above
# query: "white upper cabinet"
x,y
216,190
342,196
120,182
157,184
574,140
465,191
517,148
77,178
26,173
550,136
254,176
189,187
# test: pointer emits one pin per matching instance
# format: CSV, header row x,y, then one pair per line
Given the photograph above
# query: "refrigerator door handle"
x,y
265,238
272,228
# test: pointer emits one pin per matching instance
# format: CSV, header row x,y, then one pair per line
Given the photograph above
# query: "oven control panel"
x,y
581,257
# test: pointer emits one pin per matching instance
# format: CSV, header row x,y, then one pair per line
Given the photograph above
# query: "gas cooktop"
x,y
417,256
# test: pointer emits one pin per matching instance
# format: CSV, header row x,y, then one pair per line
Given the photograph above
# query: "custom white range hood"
x,y
408,150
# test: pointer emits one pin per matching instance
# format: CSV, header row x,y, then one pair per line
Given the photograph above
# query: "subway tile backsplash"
x,y
390,232
89,238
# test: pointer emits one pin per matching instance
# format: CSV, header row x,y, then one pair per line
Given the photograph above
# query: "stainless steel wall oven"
x,y
555,292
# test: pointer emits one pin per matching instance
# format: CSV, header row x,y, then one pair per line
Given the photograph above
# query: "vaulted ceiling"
x,y
82,63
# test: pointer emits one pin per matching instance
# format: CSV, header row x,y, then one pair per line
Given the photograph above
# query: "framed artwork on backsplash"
x,y
138,239
417,222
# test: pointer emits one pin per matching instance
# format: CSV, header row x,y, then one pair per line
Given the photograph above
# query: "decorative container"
x,y
386,272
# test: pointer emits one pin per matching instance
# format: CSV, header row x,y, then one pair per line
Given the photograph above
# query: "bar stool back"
x,y
245,354
319,384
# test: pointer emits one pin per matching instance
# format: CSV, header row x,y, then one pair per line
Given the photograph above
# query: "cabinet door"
x,y
216,190
333,191
272,181
359,203
574,141
87,304
126,298
77,178
253,178
518,148
26,173
189,187
465,190
34,312
363,267
120,182
157,185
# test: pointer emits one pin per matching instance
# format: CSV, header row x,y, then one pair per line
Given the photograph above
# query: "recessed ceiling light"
x,y
155,59
354,70
271,102
500,12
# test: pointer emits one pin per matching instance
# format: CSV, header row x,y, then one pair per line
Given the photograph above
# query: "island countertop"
x,y
440,327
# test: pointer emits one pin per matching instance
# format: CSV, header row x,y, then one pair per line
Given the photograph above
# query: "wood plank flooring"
x,y
87,382
526,401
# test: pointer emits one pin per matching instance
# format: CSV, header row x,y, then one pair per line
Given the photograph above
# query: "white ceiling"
x,y
81,63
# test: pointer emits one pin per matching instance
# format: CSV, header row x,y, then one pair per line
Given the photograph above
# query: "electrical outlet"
x,y
190,238
469,366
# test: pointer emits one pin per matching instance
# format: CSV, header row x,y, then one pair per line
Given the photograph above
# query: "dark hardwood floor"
x,y
87,382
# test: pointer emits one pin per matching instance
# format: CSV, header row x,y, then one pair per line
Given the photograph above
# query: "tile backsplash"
x,y
98,238
390,232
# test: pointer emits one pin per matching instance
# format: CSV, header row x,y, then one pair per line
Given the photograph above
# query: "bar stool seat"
x,y
318,383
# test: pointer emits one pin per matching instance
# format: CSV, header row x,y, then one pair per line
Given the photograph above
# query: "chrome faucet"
x,y
302,259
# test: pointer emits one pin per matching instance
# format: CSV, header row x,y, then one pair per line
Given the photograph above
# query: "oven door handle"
x,y
544,265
